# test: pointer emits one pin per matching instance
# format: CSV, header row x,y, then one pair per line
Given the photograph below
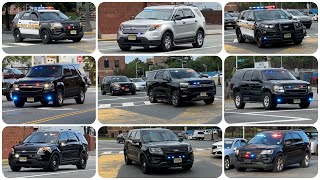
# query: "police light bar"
x,y
41,8
263,7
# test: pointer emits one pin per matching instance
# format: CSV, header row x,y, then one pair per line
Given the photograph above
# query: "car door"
x,y
74,146
191,23
298,147
67,81
179,25
167,88
245,85
75,81
158,85
250,23
130,146
136,145
34,24
256,85
288,148
107,84
64,148
242,22
23,23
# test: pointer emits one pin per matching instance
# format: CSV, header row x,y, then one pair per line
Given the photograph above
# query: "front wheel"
x,y
268,102
306,161
9,95
54,163
44,102
17,36
81,97
240,38
259,40
152,96
127,161
199,39
124,48
82,164
45,36
226,163
175,99
166,42
278,164
76,39
15,168
238,101
304,104
58,98
297,41
19,103
209,101
187,167
240,169
144,165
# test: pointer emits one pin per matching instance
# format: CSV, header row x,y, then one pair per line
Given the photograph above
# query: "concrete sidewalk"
x,y
212,29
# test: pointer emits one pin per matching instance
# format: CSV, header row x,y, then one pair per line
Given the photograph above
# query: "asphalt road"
x,y
212,45
254,113
111,165
66,171
35,113
308,46
136,109
292,171
35,46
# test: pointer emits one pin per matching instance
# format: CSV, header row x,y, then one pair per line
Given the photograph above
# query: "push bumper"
x,y
254,165
38,96
149,38
167,161
272,37
289,98
61,35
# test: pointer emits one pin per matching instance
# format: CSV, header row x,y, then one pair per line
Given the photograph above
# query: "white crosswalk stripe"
x,y
10,45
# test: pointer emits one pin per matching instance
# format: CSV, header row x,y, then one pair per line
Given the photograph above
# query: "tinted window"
x,y
166,75
158,136
243,143
66,70
247,76
73,70
150,75
250,16
132,135
183,73
188,13
138,135
198,12
63,137
237,144
180,13
237,77
256,75
159,75
34,16
296,137
26,16
53,15
228,144
45,71
42,137
119,79
244,15
270,15
267,138
148,13
277,74
72,136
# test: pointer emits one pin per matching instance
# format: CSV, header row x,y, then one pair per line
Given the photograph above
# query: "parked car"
x,y
9,76
297,15
274,150
163,26
198,135
157,148
271,86
51,82
139,83
229,21
176,85
122,137
216,149
313,137
230,146
49,150
117,85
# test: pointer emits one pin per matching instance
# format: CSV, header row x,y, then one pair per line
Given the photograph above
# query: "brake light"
x,y
276,135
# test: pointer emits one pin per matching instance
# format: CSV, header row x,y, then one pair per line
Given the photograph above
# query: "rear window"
x,y
247,76
81,137
150,75
198,12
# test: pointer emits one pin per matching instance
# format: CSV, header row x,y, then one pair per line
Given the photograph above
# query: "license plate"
x,y
288,35
229,23
73,32
23,159
30,99
247,161
203,94
127,89
177,160
296,101
132,37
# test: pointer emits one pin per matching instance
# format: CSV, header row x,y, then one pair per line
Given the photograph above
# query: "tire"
x,y
45,36
76,40
268,102
166,42
306,161
9,95
175,99
297,41
259,39
19,103
308,26
144,165
127,161
209,101
82,164
124,48
112,92
152,96
54,163
278,164
17,36
304,104
240,169
238,101
240,38
199,39
44,103
133,92
81,97
58,98
227,163
187,167
15,168
103,92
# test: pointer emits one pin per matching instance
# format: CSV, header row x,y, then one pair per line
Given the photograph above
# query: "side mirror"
x,y
132,17
62,143
20,142
203,75
177,17
234,149
68,74
166,79
290,17
136,142
287,142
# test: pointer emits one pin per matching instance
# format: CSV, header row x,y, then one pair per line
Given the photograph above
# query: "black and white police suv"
x,y
47,24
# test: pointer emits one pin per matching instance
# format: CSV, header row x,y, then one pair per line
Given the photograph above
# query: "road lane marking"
x,y
59,116
127,104
15,110
122,98
56,173
56,109
104,106
273,121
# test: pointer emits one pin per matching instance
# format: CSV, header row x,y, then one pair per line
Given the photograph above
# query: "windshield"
x,y
227,15
42,137
270,15
228,144
158,136
53,15
45,71
161,14
267,139
16,71
234,14
278,75
295,13
137,80
312,135
120,79
184,73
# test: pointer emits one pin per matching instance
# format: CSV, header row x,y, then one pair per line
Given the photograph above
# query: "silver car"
x,y
139,83
299,16
230,145
163,26
313,137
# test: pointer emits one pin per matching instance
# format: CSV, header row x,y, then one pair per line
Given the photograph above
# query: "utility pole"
x,y
236,62
87,27
136,69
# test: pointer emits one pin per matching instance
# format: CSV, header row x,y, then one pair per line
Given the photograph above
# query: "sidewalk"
x,y
212,29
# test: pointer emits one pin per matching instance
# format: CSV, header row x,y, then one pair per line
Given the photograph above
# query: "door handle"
x,y
195,21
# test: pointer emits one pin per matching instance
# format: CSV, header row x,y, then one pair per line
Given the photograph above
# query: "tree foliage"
x,y
9,60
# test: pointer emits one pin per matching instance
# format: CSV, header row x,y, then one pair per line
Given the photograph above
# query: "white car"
x,y
217,149
139,83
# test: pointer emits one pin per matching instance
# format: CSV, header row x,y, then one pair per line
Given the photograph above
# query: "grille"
x,y
141,29
26,153
175,150
286,27
198,89
296,89
31,88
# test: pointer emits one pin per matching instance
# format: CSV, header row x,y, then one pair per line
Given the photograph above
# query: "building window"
x,y
106,63
116,63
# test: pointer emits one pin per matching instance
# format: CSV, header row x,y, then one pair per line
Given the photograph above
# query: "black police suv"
x,y
117,85
269,26
50,83
176,85
157,148
273,150
270,86
49,150
47,24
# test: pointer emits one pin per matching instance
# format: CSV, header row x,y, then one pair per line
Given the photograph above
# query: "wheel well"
x,y
56,153
201,29
169,31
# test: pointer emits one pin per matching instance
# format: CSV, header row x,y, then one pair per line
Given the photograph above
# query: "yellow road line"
x,y
59,116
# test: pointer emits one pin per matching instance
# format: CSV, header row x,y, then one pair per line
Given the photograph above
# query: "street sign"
x,y
264,64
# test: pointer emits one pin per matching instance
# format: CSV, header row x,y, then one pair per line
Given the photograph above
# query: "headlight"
x,y
190,149
15,87
48,86
156,151
42,150
309,88
296,19
154,27
120,28
56,25
12,150
268,26
116,86
278,88
236,151
270,151
184,85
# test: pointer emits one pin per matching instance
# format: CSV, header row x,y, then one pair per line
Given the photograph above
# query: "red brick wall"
x,y
212,16
11,136
102,72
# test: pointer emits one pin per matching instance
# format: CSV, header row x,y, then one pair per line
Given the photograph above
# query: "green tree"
x,y
9,60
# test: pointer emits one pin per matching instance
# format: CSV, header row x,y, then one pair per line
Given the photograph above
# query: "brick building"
x,y
113,132
231,7
107,65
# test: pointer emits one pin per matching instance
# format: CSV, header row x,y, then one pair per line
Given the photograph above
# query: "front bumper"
x,y
33,161
229,24
195,93
58,34
283,98
275,36
163,161
217,152
140,88
38,96
254,165
307,22
149,38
